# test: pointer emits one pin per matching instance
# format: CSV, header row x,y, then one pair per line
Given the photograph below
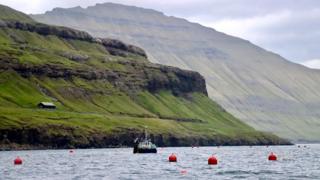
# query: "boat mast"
x,y
145,133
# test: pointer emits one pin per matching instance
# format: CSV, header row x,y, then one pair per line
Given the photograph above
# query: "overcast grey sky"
x,y
290,28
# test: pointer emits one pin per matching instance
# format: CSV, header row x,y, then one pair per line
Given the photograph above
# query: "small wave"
x,y
233,172
302,177
265,172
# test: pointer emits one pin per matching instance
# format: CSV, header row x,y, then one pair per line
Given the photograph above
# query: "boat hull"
x,y
137,150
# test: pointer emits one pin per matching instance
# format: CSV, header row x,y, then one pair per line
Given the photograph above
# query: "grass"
x,y
37,49
197,107
7,13
96,106
18,92
105,109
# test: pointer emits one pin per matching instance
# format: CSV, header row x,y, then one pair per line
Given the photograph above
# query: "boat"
x,y
144,145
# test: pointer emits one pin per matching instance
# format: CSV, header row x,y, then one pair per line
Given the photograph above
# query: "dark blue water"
x,y
234,163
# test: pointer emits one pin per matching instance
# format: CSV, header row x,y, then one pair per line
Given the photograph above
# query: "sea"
x,y
300,161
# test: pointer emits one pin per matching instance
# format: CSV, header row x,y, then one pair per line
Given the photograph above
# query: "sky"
x,y
290,28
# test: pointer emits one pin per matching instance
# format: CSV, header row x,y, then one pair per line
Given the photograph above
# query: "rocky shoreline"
x,y
36,139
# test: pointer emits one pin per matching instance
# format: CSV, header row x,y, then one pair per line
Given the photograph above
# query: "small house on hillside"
x,y
47,105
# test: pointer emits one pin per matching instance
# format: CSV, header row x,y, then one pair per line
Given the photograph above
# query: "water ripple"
x,y
234,163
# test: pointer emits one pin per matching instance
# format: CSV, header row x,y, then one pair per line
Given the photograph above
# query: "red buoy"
x,y
272,157
212,160
17,161
172,158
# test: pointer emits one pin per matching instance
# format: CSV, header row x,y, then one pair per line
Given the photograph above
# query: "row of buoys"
x,y
212,160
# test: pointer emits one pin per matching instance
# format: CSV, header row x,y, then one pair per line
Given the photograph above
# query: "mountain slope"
x,y
8,14
106,93
257,86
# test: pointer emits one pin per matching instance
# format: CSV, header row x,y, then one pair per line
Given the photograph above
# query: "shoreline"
x,y
25,147
34,139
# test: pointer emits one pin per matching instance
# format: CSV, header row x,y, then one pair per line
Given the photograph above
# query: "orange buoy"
x,y
212,160
272,157
17,161
172,158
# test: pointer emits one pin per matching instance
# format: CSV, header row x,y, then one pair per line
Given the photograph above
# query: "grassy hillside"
x,y
106,113
7,13
257,86
106,93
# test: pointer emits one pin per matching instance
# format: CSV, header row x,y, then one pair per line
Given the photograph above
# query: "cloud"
x,y
294,35
246,27
314,63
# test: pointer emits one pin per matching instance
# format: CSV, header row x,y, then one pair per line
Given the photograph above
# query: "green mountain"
x,y
106,93
259,87
8,14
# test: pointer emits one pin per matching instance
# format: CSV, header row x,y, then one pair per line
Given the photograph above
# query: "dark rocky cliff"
x,y
36,138
115,47
44,29
142,76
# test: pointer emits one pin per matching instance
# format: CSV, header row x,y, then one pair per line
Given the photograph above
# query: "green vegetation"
x,y
99,99
104,96
6,13
196,107
87,108
111,111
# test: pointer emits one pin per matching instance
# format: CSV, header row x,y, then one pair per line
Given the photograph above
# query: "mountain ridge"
x,y
257,86
105,92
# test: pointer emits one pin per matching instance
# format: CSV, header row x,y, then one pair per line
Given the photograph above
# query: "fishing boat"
x,y
144,145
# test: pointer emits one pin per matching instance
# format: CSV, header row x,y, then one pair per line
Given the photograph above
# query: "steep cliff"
x,y
259,87
106,92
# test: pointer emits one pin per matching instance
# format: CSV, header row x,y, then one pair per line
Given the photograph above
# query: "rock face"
x,y
106,93
142,76
44,29
257,86
116,47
